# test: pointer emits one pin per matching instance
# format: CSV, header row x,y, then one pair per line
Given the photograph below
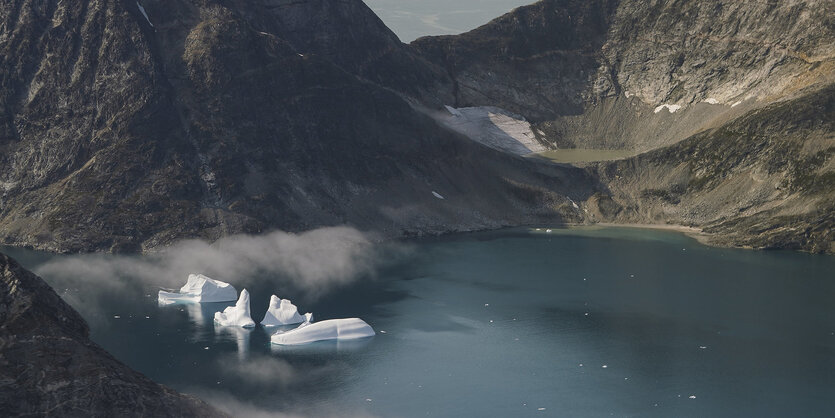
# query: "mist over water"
x,y
577,322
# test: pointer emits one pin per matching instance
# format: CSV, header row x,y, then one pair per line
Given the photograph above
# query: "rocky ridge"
x,y
49,366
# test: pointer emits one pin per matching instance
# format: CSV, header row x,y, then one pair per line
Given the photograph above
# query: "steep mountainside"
x,y
207,118
593,73
125,126
733,101
49,366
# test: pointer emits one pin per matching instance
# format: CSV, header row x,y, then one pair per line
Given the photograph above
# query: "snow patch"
x,y
497,128
332,329
282,312
712,101
238,315
670,108
737,103
144,13
200,288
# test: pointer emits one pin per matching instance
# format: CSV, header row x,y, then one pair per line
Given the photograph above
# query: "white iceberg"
x,y
200,288
238,315
282,312
331,329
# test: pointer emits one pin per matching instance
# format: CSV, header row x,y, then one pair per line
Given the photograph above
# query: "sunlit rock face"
x,y
49,366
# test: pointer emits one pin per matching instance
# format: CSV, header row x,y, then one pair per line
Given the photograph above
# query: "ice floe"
x,y
670,108
200,288
282,312
238,315
331,329
436,194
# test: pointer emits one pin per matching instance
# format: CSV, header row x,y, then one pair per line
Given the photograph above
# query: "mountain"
x,y
125,126
207,118
49,366
729,105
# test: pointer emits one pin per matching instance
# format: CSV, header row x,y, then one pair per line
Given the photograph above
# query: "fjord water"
x,y
575,322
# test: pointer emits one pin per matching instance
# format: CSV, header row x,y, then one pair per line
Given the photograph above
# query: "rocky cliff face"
x,y
49,366
125,126
731,100
594,72
207,118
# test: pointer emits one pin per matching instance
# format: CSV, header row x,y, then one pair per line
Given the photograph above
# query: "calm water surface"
x,y
584,322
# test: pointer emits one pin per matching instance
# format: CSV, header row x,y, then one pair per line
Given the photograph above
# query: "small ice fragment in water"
x,y
332,329
692,396
206,348
605,366
586,314
237,315
281,312
491,321
200,288
368,399
436,194
702,347
147,317
547,230
116,316
540,409
581,364
382,332
486,304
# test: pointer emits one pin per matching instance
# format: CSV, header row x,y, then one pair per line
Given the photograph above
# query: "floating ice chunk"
x,y
238,315
670,108
332,329
692,396
200,288
711,101
282,312
144,13
434,193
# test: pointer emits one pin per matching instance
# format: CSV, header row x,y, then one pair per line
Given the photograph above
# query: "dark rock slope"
x,y
49,366
227,117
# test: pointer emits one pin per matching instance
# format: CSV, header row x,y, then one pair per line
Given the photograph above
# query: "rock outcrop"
x,y
124,133
49,366
731,102
125,126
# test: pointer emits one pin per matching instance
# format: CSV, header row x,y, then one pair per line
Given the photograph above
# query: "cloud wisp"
x,y
313,262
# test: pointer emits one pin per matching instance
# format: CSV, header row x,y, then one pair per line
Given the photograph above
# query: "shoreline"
x,y
696,233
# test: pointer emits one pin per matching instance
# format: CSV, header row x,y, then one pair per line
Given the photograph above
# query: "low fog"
x,y
313,261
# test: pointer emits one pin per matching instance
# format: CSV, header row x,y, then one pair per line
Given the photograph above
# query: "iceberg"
x,y
200,288
282,312
331,329
238,315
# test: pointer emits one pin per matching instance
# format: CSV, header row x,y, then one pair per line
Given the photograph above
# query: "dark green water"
x,y
590,322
